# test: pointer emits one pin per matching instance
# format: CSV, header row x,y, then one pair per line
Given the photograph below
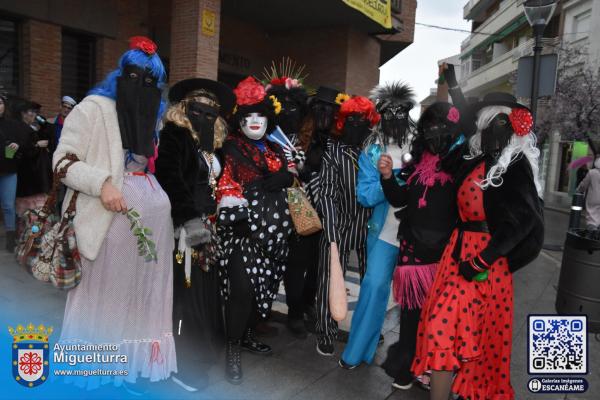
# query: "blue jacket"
x,y
369,192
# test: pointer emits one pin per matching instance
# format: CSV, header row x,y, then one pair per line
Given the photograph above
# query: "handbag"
x,y
304,216
47,245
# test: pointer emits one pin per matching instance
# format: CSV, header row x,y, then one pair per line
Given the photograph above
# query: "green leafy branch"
x,y
146,247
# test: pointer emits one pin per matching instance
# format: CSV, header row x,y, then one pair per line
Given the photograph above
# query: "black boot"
x,y
250,343
296,326
11,237
233,365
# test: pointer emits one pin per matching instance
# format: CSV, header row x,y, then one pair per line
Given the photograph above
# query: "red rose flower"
x,y
249,92
278,81
521,121
143,43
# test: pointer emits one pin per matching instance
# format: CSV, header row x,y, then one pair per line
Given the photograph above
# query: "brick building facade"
x,y
48,41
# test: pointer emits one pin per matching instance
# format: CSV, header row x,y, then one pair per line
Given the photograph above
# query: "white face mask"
x,y
254,126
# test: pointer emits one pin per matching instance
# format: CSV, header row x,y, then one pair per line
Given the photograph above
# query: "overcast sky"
x,y
417,64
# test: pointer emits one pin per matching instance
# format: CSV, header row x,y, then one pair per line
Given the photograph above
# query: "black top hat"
x,y
497,99
223,93
326,94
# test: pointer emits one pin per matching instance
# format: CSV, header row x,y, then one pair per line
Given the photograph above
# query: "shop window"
x,y
564,174
9,57
78,64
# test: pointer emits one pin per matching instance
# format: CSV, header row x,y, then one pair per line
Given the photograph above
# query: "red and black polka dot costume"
x,y
465,326
264,252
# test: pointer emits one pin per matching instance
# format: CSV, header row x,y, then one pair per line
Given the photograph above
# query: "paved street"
x,y
295,370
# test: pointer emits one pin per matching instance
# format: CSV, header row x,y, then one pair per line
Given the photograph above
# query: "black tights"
x,y
400,354
240,309
300,277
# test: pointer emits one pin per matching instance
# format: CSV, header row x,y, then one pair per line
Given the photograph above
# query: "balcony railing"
x,y
508,11
524,49
549,46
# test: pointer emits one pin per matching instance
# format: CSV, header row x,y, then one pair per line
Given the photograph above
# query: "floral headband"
x,y
250,92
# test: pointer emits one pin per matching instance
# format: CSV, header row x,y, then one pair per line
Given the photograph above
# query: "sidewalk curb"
x,y
566,211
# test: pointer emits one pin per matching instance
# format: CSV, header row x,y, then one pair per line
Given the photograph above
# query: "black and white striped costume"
x,y
344,222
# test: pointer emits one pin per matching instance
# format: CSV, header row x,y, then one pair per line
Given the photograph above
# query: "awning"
x,y
510,28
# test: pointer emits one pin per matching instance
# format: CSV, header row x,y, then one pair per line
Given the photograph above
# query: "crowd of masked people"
x,y
440,212
27,141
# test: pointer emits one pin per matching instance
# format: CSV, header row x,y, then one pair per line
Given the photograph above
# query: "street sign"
x,y
548,71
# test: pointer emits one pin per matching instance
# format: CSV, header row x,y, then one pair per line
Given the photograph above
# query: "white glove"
x,y
197,232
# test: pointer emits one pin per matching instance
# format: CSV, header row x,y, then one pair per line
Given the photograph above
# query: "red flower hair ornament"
x,y
357,105
521,121
249,92
142,43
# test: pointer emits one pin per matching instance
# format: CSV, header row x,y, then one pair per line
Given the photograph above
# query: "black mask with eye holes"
x,y
356,129
290,117
496,136
438,137
203,118
138,100
394,124
323,114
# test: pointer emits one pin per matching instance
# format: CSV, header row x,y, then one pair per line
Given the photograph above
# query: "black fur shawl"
x,y
183,175
514,214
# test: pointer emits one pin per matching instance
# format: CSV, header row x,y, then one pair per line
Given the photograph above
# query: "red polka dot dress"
x,y
465,326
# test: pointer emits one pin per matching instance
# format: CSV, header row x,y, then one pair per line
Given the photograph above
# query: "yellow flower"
x,y
341,97
234,109
276,104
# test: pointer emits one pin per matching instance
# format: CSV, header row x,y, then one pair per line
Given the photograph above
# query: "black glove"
x,y
241,229
278,180
450,76
469,269
406,172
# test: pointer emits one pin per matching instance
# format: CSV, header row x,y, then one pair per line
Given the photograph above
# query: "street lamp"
x,y
538,13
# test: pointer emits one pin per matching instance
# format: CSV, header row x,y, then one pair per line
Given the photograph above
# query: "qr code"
x,y
557,344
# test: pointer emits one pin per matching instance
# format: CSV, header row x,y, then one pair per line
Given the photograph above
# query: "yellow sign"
x,y
379,11
209,22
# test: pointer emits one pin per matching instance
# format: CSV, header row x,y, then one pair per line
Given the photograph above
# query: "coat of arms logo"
x,y
30,360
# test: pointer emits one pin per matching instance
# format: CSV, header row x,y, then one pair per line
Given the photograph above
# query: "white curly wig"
x,y
517,147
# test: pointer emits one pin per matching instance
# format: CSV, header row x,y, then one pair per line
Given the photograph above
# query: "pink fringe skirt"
x,y
412,283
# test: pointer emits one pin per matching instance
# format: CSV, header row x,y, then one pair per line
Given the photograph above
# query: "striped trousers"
x,y
327,327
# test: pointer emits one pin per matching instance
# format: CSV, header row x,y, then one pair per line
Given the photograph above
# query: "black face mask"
x,y
323,115
438,138
138,100
203,118
496,136
394,124
356,129
290,117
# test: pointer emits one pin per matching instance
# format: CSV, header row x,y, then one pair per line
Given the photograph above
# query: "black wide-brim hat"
x,y
326,94
224,93
496,99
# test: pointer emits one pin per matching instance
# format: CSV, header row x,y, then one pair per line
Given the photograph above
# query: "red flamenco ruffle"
x,y
491,391
436,360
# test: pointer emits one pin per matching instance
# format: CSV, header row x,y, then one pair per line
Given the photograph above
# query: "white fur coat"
x,y
91,132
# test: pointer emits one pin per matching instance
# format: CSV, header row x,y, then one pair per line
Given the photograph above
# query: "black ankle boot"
x,y
11,237
233,363
250,343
